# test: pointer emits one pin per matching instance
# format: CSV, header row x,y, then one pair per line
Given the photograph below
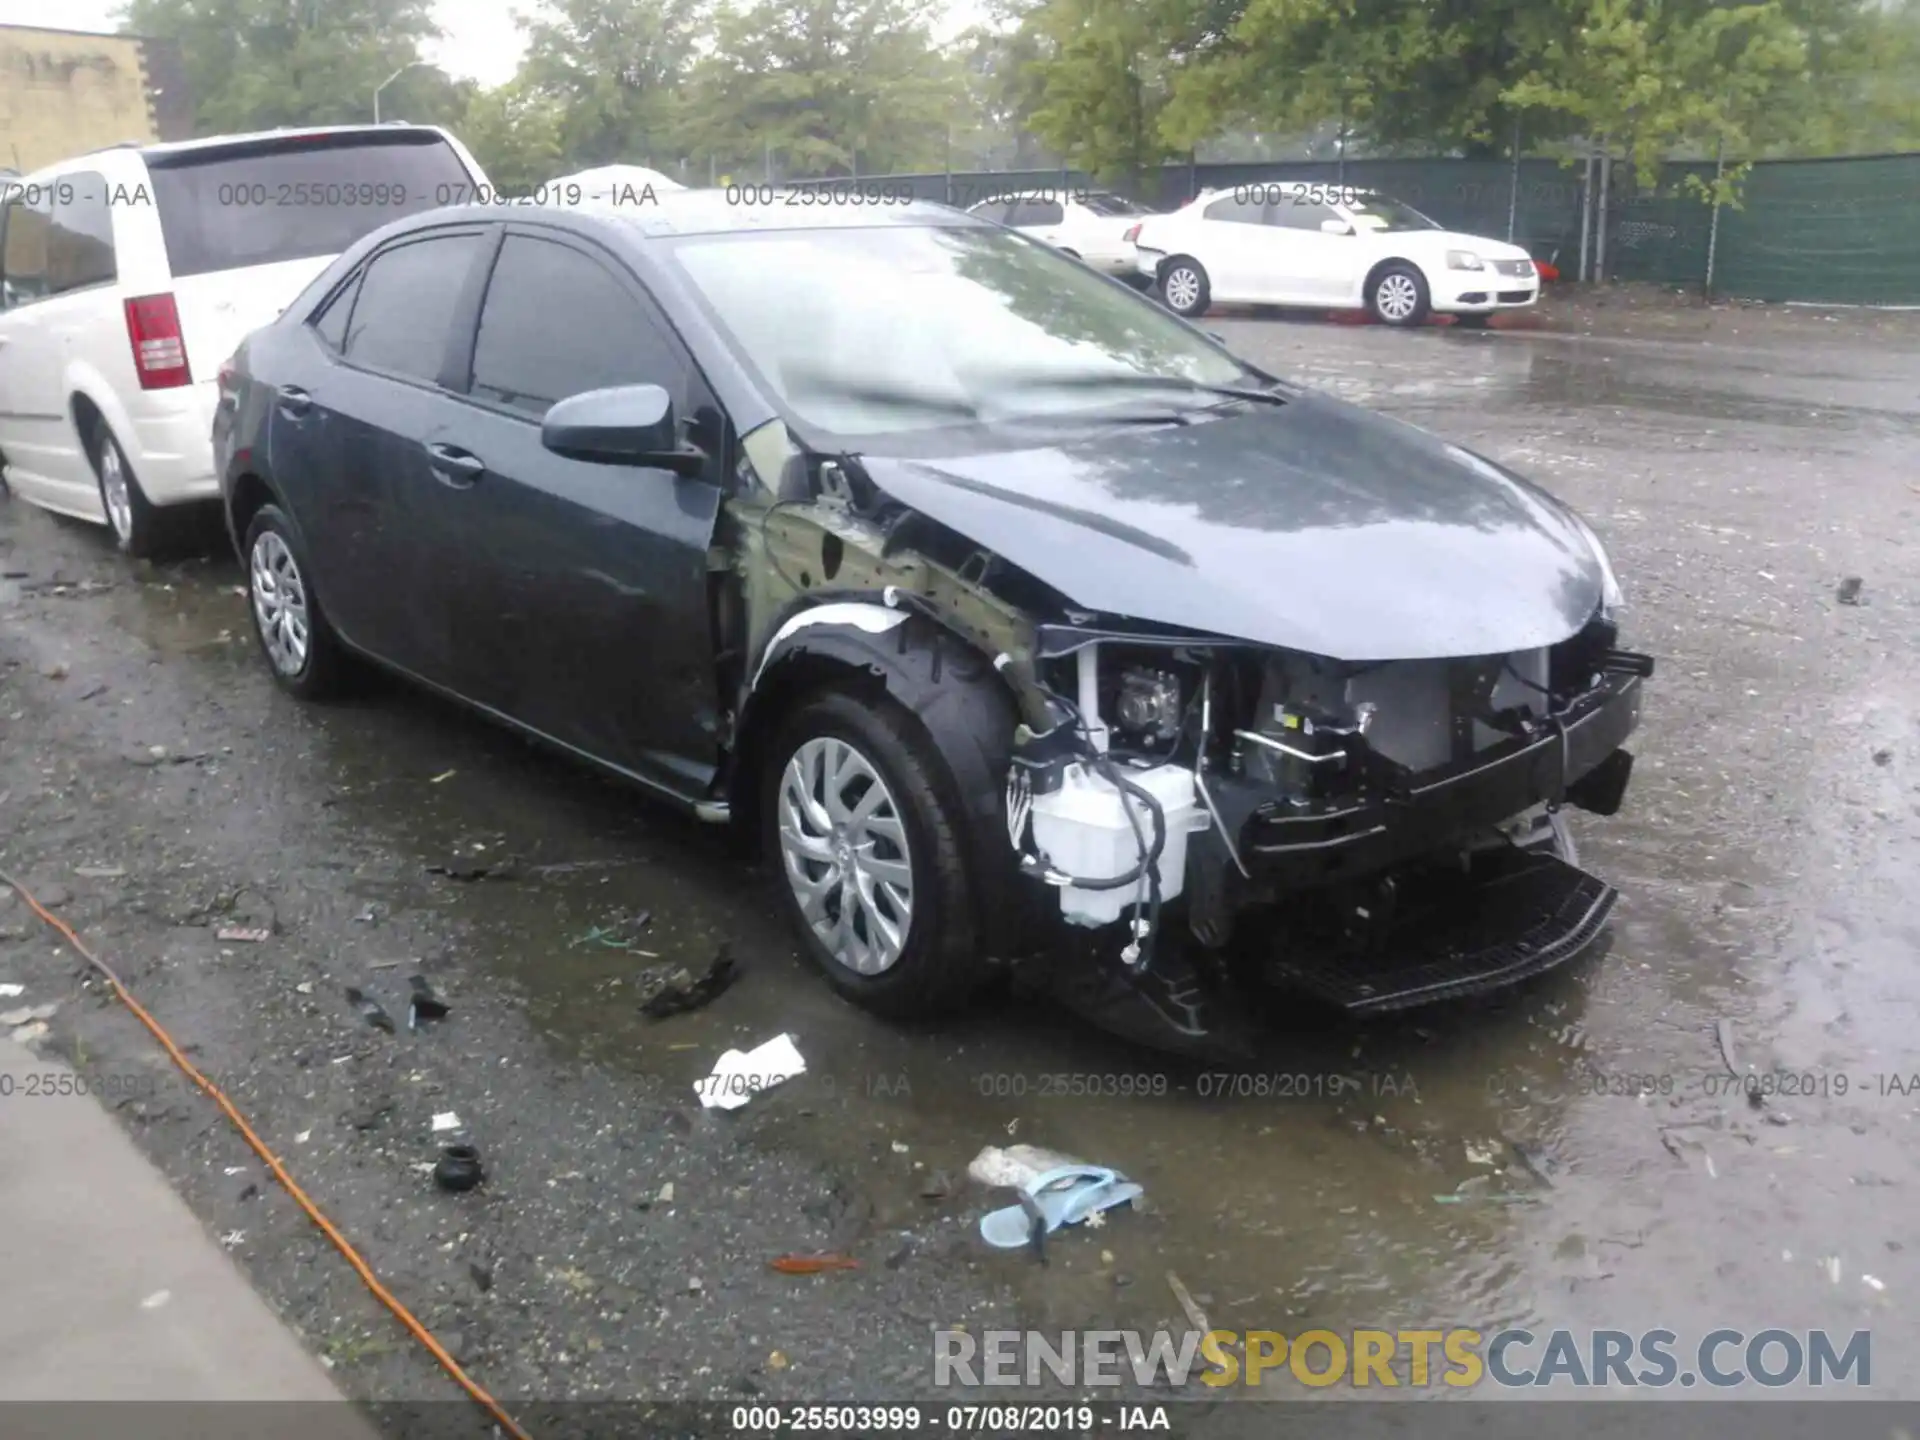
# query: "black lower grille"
x,y
1529,915
1514,297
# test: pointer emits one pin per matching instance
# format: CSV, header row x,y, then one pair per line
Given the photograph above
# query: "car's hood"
x,y
1316,526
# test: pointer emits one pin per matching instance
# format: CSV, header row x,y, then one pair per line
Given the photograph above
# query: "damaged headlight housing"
x,y
1612,600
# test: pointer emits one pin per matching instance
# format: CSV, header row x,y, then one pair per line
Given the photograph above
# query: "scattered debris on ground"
x,y
679,994
370,1009
811,1264
423,1004
458,1168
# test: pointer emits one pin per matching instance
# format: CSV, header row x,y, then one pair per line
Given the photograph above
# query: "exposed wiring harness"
x,y
1145,875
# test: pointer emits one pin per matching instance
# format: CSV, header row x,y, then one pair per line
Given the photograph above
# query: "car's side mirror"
x,y
622,425
1335,227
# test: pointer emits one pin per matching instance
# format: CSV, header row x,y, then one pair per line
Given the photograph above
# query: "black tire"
x,y
322,667
1185,277
1394,278
940,964
1473,322
139,528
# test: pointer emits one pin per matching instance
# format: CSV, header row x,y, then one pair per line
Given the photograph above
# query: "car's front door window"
x,y
557,323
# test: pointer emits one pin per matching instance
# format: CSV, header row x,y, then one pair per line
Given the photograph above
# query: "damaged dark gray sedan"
x,y
1022,623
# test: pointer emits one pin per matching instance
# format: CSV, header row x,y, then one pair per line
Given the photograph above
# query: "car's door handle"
x,y
454,466
294,400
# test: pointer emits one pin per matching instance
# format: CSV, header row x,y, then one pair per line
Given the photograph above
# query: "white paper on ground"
x,y
445,1120
11,991
739,1075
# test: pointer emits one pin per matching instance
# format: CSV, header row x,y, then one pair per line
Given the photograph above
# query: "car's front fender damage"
x,y
1383,834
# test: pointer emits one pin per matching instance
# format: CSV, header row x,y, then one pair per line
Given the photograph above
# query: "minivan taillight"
x,y
1133,234
159,351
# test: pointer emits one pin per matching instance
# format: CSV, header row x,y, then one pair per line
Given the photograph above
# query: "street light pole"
x,y
410,65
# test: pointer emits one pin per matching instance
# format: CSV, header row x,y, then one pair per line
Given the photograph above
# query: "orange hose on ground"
x,y
341,1243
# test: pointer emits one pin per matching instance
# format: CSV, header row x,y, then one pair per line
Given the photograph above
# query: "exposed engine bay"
x,y
1185,808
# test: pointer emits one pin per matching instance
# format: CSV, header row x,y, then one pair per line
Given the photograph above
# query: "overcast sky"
x,y
481,39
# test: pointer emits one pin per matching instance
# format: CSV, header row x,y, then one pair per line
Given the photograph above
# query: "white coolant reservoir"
x,y
1083,830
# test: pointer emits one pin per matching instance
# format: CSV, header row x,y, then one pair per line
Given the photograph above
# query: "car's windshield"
x,y
906,329
1103,204
1384,213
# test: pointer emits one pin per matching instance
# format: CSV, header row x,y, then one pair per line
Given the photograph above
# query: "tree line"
x,y
710,89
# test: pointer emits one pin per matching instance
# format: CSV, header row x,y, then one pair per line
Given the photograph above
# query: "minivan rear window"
x,y
263,201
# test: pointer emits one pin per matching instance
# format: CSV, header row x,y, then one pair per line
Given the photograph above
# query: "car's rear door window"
x,y
557,322
80,240
1038,212
259,202
1294,211
408,297
331,323
23,250
1237,211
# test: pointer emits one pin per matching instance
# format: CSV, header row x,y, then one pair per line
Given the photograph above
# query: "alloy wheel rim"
x,y
1183,288
1397,297
113,489
280,604
843,844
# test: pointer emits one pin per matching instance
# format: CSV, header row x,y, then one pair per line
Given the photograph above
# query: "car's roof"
x,y
660,214
289,132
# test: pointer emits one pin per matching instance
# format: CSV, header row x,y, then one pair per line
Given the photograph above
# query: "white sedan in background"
x,y
1091,226
1328,247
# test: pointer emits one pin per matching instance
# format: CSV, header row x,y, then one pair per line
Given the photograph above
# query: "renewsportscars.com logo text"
x,y
1721,1359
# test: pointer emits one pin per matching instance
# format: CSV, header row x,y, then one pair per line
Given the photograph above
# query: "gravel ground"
x,y
1741,464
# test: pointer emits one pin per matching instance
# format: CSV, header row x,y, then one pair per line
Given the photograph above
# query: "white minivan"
x,y
129,275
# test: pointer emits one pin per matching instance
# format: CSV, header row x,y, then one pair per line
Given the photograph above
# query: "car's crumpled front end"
x,y
1383,834
1202,818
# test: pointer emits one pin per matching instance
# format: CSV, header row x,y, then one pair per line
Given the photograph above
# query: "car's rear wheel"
x,y
1399,295
137,525
300,647
1184,284
862,820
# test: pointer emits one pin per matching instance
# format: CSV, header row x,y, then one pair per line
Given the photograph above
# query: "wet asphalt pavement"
x,y
1597,1164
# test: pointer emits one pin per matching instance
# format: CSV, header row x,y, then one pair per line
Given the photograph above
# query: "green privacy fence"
x,y
1840,231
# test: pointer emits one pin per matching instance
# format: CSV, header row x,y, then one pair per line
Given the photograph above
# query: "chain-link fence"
x,y
1839,231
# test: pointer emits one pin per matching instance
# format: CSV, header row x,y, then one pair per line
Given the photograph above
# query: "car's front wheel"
x,y
863,822
1185,285
1399,295
299,644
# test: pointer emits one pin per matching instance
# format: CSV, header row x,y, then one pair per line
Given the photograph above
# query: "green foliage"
x,y
1105,72
831,87
613,70
255,64
517,136
1002,89
1647,75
